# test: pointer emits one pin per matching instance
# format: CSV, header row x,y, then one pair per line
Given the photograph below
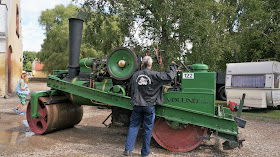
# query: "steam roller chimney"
x,y
75,38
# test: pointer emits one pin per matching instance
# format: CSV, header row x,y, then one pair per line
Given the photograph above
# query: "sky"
x,y
32,32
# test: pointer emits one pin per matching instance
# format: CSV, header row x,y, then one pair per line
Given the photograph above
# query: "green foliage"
x,y
28,67
156,19
219,31
259,29
103,31
205,28
171,25
260,114
252,31
28,58
54,52
95,42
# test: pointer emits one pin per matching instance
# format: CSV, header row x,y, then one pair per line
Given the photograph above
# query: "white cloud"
x,y
32,33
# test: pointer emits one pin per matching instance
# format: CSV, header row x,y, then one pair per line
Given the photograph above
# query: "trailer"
x,y
259,80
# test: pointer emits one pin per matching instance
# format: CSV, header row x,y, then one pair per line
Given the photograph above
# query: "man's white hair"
x,y
147,61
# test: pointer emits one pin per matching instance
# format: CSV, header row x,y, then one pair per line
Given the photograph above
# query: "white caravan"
x,y
259,80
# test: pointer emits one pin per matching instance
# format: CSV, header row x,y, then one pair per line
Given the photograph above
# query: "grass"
x,y
256,114
264,113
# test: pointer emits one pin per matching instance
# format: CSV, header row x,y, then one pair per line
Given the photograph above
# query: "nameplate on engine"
x,y
188,75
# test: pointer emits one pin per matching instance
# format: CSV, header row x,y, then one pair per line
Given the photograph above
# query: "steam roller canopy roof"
x,y
118,54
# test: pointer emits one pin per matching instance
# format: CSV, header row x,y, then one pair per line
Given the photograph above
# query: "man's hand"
x,y
174,63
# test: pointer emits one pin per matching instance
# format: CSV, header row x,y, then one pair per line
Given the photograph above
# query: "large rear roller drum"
x,y
54,116
182,139
121,63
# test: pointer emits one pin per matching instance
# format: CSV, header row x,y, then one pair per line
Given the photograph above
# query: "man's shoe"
x,y
126,153
144,155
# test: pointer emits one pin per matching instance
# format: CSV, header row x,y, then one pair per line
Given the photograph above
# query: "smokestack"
x,y
75,38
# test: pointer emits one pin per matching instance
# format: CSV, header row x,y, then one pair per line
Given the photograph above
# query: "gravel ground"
x,y
91,138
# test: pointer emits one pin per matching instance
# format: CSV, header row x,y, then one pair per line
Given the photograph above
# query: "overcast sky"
x,y
32,33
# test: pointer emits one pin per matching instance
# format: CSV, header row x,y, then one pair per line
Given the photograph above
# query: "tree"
x,y
259,29
28,58
252,30
219,31
170,25
54,53
205,28
54,50
155,20
28,67
103,33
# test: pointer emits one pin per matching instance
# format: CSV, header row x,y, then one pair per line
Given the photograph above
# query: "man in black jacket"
x,y
146,92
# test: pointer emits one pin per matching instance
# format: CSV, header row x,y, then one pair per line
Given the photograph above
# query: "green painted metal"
x,y
232,139
199,81
57,72
202,102
172,111
175,125
198,92
185,116
241,106
199,68
89,93
193,104
105,85
115,69
34,100
85,65
118,89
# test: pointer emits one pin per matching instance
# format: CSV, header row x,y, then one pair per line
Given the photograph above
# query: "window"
x,y
248,81
17,21
276,81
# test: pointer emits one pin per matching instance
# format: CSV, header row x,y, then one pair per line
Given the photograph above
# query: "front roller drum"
x,y
54,116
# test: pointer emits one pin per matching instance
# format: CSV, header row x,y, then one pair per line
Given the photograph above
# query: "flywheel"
x,y
121,63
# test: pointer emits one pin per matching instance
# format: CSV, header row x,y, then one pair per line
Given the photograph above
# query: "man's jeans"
x,y
141,114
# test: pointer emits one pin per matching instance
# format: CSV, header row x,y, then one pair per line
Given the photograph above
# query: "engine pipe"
x,y
75,38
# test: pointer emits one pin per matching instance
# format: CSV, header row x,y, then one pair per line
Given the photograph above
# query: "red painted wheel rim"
x,y
179,140
39,125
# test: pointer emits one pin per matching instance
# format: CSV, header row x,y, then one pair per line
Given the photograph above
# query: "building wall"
x,y
3,49
8,39
39,74
37,70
